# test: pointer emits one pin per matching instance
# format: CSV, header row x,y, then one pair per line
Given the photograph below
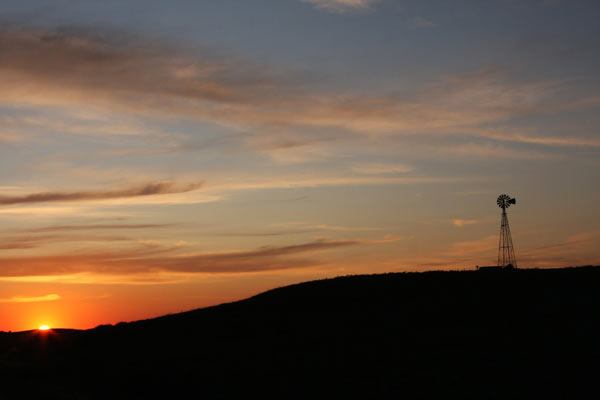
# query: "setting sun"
x,y
44,328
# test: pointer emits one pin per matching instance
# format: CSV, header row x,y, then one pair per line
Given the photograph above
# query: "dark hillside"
x,y
479,334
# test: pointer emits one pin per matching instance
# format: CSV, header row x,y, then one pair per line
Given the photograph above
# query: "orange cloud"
x,y
64,228
459,223
71,67
152,259
474,248
33,299
382,168
576,249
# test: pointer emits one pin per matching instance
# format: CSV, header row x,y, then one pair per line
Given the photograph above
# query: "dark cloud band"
x,y
150,189
154,260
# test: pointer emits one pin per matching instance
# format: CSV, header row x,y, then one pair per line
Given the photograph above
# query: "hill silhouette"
x,y
468,335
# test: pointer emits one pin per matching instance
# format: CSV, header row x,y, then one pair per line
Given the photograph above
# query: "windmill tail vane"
x,y
506,250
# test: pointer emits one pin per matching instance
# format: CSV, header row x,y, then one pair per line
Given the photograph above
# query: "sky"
x,y
159,156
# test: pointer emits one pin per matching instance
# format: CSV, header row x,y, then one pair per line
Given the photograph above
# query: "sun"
x,y
44,328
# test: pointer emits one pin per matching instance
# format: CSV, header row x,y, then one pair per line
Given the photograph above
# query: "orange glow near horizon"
x,y
87,305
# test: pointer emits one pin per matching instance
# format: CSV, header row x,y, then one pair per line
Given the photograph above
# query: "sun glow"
x,y
44,328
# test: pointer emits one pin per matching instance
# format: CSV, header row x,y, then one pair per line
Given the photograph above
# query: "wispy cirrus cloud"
x,y
150,189
342,6
31,299
298,228
20,243
42,203
27,242
95,227
473,248
493,150
555,141
8,137
577,249
331,181
461,254
158,259
382,168
422,23
135,262
108,62
68,67
459,222
326,227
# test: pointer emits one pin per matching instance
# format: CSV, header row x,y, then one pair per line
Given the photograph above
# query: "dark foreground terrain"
x,y
531,334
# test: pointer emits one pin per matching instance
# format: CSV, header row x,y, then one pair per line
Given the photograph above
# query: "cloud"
x,y
298,228
36,241
264,234
474,248
386,239
66,228
459,223
492,150
70,67
342,6
19,211
576,249
293,147
156,259
20,243
86,202
422,23
34,299
555,141
334,180
101,61
382,168
267,258
9,137
25,122
150,189
460,255
331,228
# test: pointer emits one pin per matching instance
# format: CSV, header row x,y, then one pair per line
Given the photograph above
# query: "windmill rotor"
x,y
504,201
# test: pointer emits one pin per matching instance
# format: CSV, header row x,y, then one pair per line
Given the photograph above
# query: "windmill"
x,y
506,251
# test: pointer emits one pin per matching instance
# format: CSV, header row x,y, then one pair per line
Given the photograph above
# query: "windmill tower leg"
x,y
506,251
501,242
510,250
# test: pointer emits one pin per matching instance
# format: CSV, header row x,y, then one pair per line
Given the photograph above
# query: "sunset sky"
x,y
158,156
